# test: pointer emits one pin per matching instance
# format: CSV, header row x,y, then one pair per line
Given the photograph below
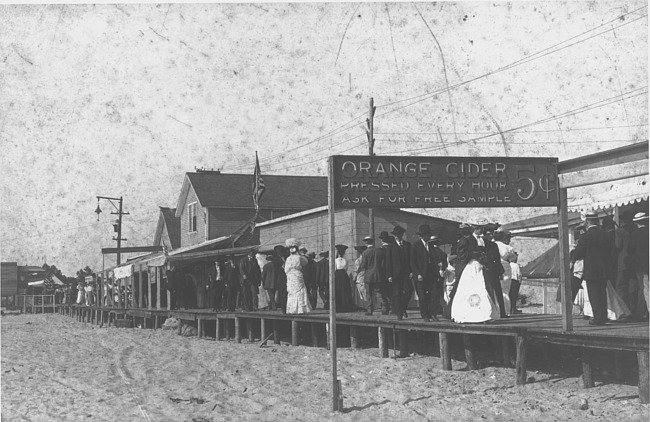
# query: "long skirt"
x,y
344,295
297,297
472,302
616,307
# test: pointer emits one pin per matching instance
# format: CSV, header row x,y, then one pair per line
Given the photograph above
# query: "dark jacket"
x,y
593,249
424,263
372,262
323,272
398,260
492,260
269,276
231,276
250,271
439,261
638,250
309,272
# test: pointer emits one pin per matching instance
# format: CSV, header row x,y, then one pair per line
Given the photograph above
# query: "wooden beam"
x,y
623,155
522,375
644,386
132,249
565,271
587,368
383,343
602,175
469,352
445,356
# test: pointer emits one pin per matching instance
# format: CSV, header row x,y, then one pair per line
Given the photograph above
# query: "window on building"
x,y
192,216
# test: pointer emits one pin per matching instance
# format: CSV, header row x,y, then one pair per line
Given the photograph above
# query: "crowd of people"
x,y
610,268
477,282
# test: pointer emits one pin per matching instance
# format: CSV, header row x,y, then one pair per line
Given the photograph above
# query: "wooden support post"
x,y
149,287
180,327
445,356
618,365
505,351
522,375
155,322
237,330
354,337
276,332
644,386
327,335
587,368
249,326
200,327
294,332
565,272
263,328
217,329
140,287
402,336
383,344
314,334
228,329
158,283
469,352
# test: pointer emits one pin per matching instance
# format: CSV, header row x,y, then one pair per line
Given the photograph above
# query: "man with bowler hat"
x,y
323,278
425,272
593,249
398,272
493,270
372,264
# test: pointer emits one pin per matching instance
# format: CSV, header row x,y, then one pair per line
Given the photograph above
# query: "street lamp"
x,y
117,226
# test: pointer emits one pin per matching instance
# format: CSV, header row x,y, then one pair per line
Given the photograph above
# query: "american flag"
x,y
258,185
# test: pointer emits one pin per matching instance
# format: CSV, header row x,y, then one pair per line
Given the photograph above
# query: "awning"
x,y
195,256
123,272
54,278
608,195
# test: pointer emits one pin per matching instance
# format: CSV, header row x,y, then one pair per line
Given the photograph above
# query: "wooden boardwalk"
x,y
518,329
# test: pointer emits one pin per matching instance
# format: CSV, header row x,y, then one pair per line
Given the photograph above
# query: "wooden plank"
x,y
354,337
565,271
383,344
644,386
587,368
294,333
522,375
314,334
469,352
445,354
132,249
623,155
403,343
505,351
602,175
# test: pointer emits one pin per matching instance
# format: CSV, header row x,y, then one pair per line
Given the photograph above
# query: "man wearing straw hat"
x,y
593,248
638,250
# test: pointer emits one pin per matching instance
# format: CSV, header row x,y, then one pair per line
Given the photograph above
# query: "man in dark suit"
x,y
398,272
372,263
638,252
425,272
323,278
493,270
440,264
594,250
231,285
251,276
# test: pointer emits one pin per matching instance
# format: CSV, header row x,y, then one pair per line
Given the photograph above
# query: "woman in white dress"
x,y
297,297
471,302
360,295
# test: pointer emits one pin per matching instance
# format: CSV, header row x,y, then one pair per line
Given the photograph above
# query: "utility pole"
x,y
117,227
371,152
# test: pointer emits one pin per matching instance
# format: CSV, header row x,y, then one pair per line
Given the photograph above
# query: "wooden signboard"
x,y
444,182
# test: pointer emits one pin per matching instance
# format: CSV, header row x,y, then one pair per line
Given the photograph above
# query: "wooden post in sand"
x,y
354,337
445,356
237,331
383,344
644,386
337,394
314,334
294,332
587,368
200,328
505,351
249,326
276,332
522,375
217,329
262,328
469,352
402,336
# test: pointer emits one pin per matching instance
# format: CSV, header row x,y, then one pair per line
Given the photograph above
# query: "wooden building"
x,y
351,226
168,230
212,204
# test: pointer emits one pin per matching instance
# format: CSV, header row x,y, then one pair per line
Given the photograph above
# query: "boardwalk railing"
x,y
31,303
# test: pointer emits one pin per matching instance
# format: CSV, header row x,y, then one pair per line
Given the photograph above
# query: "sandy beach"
x,y
55,368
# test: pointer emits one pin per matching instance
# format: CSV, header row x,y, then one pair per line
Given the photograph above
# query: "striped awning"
x,y
609,194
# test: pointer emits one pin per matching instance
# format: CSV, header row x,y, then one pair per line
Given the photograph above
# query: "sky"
x,y
122,100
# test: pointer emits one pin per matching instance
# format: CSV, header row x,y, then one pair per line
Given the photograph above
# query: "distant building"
x,y
168,231
213,205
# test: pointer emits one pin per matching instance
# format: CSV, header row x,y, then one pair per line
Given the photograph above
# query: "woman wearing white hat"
x,y
297,297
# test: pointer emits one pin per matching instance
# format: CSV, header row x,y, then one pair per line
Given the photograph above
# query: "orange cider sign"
x,y
444,182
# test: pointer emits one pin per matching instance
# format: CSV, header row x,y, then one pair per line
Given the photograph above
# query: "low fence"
x,y
32,303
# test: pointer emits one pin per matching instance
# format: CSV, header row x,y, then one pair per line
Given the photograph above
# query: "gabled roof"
x,y
215,189
167,219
